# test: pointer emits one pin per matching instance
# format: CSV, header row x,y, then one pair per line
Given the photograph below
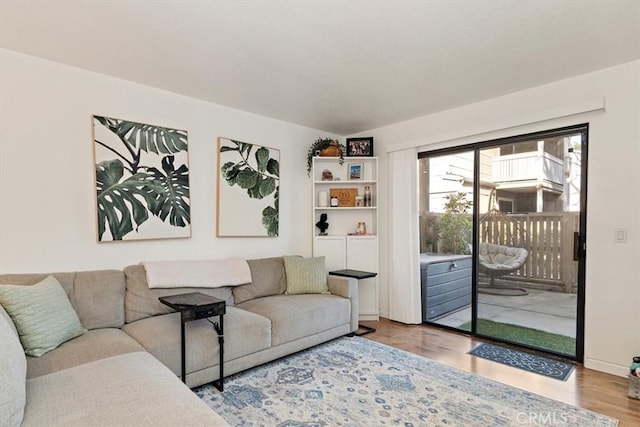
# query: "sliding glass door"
x,y
502,232
446,238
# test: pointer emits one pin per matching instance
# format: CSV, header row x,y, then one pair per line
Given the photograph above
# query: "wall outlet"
x,y
620,235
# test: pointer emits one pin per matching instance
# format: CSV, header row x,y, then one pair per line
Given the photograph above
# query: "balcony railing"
x,y
528,167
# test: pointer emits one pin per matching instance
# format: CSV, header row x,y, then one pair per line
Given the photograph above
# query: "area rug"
x,y
546,366
358,382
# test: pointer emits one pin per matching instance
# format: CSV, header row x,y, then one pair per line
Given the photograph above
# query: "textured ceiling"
x,y
341,67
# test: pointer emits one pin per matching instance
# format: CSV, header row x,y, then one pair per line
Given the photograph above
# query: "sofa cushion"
x,y
305,275
96,296
297,316
268,278
132,389
92,345
13,372
142,302
42,314
244,333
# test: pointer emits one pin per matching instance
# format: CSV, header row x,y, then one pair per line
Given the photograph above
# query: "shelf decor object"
x,y
360,147
248,190
346,196
355,171
142,181
325,147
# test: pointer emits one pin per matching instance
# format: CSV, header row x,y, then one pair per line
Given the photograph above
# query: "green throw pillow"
x,y
305,275
42,315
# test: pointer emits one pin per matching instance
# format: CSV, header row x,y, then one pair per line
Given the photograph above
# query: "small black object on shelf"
x,y
323,224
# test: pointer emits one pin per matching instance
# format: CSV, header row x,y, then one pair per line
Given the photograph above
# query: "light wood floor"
x,y
586,388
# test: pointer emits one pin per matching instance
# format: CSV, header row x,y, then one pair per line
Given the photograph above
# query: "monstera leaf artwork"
x,y
248,189
142,180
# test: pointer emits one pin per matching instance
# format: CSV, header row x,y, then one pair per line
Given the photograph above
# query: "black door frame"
x,y
581,251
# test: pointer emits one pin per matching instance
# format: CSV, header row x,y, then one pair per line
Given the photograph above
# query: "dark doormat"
x,y
546,366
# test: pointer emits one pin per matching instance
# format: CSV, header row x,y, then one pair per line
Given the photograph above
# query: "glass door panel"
x,y
446,236
527,278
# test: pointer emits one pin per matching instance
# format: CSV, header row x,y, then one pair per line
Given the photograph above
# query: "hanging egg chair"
x,y
502,250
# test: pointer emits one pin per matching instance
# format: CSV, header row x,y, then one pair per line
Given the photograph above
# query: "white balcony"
x,y
534,168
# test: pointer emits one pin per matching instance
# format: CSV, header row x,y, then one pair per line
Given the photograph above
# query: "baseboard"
x,y
607,367
367,316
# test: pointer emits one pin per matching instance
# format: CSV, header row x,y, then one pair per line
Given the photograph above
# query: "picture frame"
x,y
141,181
355,171
248,189
360,147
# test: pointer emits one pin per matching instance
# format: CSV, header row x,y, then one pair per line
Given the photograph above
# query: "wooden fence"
x,y
549,239
547,236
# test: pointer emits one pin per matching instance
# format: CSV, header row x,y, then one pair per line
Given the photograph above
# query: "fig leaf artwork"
x,y
248,189
142,181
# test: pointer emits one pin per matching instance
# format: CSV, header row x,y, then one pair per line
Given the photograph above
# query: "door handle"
x,y
579,247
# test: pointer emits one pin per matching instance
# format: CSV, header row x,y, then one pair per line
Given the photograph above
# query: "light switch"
x,y
621,235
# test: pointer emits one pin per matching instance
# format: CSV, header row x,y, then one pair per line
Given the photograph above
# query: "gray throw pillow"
x,y
267,278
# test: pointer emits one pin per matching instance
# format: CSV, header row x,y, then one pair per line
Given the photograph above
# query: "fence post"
x,y
568,264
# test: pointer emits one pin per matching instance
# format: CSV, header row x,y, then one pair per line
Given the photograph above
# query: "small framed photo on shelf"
x,y
355,170
360,147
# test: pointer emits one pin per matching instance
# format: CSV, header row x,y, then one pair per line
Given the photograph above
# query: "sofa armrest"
x,y
348,288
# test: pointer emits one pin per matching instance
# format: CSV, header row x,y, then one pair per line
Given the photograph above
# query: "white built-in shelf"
x,y
340,247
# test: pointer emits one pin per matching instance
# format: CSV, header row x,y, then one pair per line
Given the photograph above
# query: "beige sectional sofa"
x,y
124,370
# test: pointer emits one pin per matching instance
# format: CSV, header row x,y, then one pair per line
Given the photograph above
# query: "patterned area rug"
x,y
546,366
358,382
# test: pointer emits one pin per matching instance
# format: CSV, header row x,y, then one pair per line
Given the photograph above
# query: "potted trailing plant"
x,y
325,147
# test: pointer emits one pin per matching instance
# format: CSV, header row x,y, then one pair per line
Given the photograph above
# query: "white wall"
x,y
47,191
47,213
613,276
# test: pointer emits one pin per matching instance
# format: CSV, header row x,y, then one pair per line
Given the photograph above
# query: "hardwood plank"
x,y
585,388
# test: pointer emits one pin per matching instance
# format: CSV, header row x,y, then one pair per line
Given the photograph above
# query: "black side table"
x,y
356,274
194,306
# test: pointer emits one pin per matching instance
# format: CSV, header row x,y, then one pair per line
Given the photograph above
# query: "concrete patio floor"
x,y
548,311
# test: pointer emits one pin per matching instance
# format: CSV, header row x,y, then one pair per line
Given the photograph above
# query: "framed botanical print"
x,y
142,180
248,189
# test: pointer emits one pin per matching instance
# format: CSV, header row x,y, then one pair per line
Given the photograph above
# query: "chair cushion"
x,y
42,314
305,275
500,257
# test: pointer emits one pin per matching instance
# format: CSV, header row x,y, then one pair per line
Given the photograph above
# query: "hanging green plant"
x,y
325,147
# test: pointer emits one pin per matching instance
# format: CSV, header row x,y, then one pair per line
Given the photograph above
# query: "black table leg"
x,y
219,327
367,330
184,376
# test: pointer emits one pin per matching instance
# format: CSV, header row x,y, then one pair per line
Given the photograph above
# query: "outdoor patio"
x,y
548,311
